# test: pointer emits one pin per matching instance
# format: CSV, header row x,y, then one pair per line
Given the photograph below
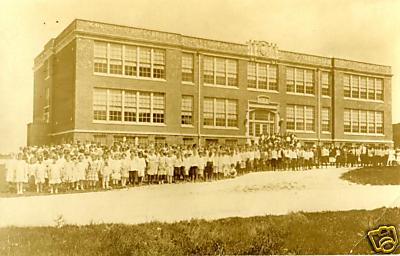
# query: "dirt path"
x,y
253,194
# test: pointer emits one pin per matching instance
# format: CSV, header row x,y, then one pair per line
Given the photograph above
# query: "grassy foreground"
x,y
386,175
299,233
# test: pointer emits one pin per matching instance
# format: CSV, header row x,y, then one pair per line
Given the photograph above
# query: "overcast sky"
x,y
366,30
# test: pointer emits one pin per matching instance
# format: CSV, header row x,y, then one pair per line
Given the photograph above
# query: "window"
x,y
325,84
100,57
220,112
379,122
159,64
100,139
220,71
187,110
346,86
290,118
100,104
325,120
363,121
130,106
290,79
130,60
300,118
231,110
187,67
361,87
115,105
262,76
142,107
379,89
299,80
46,69
251,75
347,120
208,112
371,122
371,88
355,92
145,62
232,72
158,108
116,59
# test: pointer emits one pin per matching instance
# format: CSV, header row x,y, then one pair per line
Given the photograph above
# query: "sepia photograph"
x,y
188,127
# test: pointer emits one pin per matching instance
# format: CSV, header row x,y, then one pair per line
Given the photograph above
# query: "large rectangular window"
x,y
100,104
363,121
187,67
127,106
299,80
129,61
300,118
362,87
130,106
325,84
220,71
262,76
116,59
218,112
144,62
325,120
159,64
100,57
187,110
115,105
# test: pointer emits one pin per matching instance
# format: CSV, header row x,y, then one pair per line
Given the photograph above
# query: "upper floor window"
x,y
128,60
300,80
220,71
325,83
262,76
187,67
362,87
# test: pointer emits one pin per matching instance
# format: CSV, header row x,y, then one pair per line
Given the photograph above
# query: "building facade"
x,y
102,82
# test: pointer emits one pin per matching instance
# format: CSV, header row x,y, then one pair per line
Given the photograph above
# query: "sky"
x,y
367,31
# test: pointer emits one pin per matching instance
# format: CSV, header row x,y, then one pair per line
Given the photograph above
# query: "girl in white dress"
x,y
170,162
10,167
141,166
106,173
40,175
80,173
116,170
21,173
125,164
392,157
54,175
152,163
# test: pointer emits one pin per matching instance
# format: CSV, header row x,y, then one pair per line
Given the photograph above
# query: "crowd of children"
x,y
90,166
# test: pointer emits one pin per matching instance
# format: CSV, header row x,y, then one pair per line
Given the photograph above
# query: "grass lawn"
x,y
386,175
299,233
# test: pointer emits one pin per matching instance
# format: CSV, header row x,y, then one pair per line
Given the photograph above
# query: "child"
x,y
54,175
125,163
10,175
170,162
69,166
116,170
80,173
141,166
40,175
106,172
21,173
93,171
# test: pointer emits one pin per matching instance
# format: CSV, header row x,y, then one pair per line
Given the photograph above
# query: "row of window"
x,y
361,87
363,121
146,62
128,60
128,106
